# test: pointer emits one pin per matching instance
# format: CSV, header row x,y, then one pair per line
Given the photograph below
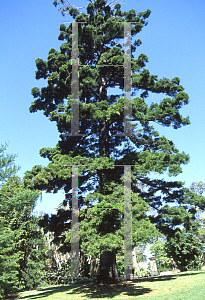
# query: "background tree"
x,y
7,166
180,226
8,261
8,258
185,249
21,240
17,205
199,188
101,117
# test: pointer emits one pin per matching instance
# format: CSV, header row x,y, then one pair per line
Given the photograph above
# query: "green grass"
x,y
182,286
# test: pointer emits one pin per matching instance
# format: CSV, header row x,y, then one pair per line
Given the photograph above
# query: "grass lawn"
x,y
182,286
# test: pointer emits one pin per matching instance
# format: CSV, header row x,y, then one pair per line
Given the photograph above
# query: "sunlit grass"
x,y
182,286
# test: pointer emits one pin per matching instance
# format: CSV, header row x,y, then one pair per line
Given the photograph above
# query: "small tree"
x,y
185,249
179,225
199,188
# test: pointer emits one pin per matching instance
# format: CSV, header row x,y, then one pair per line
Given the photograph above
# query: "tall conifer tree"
x,y
101,117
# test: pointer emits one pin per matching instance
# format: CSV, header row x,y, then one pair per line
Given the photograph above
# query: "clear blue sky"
x,y
173,41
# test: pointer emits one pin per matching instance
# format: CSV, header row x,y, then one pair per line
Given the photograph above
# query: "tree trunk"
x,y
179,264
108,268
93,267
114,267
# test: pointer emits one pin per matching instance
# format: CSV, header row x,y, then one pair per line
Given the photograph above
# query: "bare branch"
x,y
63,10
68,4
79,7
61,2
115,3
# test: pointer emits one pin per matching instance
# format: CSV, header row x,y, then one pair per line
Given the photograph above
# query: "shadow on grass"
x,y
93,290
98,291
47,291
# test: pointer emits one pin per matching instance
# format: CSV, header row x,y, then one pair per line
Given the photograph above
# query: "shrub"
x,y
142,272
60,275
120,268
163,267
